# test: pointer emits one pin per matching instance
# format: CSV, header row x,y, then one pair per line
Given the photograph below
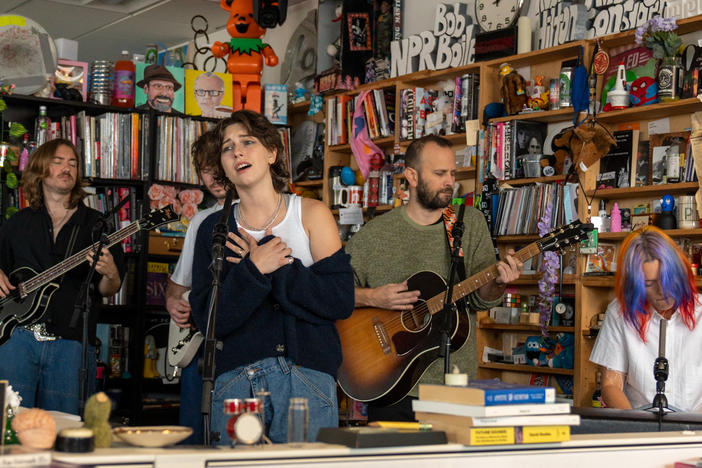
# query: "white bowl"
x,y
152,436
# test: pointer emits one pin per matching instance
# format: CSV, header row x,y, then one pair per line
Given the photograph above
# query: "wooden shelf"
x,y
553,54
523,327
557,115
532,180
378,209
618,236
533,279
653,111
310,183
645,191
685,26
525,368
598,281
299,108
517,238
384,142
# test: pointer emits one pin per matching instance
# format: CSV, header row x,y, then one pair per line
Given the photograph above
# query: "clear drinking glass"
x,y
298,414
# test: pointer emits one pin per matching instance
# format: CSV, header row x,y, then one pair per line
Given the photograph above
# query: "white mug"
x,y
352,195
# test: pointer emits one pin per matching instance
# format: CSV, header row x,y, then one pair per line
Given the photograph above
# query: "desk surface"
x,y
638,450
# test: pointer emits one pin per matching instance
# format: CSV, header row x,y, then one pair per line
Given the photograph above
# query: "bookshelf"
x,y
592,294
133,314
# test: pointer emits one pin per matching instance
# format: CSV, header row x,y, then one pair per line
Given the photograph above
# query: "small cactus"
x,y
97,417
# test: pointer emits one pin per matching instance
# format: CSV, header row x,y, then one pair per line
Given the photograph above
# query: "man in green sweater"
x,y
392,247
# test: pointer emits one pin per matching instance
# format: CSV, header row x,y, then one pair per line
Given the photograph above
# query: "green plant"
x,y
657,34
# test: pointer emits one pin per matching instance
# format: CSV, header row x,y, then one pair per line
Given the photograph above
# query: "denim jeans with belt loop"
x,y
45,373
284,380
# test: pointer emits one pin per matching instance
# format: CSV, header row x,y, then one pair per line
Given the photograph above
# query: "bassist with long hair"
x,y
42,358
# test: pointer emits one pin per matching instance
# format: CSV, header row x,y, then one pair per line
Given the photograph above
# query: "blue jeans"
x,y
190,412
283,380
45,373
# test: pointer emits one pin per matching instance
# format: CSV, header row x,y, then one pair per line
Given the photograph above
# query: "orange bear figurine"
x,y
245,52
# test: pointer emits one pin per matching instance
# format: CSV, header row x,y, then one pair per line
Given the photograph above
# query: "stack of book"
x,y
492,412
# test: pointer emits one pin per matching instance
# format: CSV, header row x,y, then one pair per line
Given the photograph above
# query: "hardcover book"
x,y
667,156
489,411
615,166
500,421
487,392
604,261
503,435
275,103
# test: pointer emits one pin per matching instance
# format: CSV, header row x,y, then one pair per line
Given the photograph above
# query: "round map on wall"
x,y
27,54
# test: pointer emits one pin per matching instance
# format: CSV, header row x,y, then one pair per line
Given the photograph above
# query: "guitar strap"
x,y
71,243
449,216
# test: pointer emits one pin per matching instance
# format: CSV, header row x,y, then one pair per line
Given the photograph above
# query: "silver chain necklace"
x,y
240,216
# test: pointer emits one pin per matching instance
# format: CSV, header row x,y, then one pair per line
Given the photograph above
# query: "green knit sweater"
x,y
392,247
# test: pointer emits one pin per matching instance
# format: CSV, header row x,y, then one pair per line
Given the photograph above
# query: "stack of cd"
x,y
101,82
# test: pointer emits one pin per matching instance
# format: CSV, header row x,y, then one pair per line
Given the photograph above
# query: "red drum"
x,y
234,406
253,405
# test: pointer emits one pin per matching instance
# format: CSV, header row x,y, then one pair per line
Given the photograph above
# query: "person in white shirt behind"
x,y
654,282
205,152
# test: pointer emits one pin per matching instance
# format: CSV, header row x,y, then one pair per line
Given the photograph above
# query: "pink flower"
x,y
187,196
155,192
177,207
199,196
171,191
189,210
153,204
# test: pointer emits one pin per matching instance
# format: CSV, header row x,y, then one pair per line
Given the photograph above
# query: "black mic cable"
x,y
221,229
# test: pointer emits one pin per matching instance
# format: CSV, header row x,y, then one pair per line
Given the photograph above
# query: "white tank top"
x,y
290,230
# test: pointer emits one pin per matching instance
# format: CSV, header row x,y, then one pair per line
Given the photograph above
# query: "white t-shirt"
x,y
183,273
619,347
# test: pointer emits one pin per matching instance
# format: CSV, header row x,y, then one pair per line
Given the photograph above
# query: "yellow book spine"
x,y
492,435
544,434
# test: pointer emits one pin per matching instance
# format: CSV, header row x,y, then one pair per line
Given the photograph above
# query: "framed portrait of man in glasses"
x,y
208,94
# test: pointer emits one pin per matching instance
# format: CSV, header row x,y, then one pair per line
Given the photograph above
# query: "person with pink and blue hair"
x,y
654,282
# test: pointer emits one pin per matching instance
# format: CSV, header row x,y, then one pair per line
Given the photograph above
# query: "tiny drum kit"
x,y
245,425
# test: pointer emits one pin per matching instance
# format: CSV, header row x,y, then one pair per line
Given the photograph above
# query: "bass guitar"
x,y
27,303
183,343
385,352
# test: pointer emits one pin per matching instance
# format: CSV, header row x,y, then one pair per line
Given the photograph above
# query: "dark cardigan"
x,y
290,312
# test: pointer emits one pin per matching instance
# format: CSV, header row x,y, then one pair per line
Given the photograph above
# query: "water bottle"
x,y
41,127
298,415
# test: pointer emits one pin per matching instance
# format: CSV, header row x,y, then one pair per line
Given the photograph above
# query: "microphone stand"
x,y
660,373
219,238
449,306
83,304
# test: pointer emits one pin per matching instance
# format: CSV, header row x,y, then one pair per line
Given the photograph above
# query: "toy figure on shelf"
x,y
563,354
539,95
513,89
300,93
245,53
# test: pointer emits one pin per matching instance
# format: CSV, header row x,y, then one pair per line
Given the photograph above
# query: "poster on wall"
x,y
160,88
208,94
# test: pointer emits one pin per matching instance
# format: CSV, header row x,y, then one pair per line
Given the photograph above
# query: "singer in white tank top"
x,y
290,230
285,282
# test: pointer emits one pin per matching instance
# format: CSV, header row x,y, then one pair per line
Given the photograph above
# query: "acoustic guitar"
x,y
27,303
385,352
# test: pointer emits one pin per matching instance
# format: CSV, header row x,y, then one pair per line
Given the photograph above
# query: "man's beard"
x,y
432,201
161,106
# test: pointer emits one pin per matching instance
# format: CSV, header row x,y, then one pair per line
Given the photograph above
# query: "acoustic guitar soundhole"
x,y
418,318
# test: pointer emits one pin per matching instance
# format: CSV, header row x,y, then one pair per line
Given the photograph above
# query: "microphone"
x,y
219,233
458,227
661,338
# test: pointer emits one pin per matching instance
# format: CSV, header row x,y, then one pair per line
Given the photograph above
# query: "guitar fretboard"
x,y
34,283
470,284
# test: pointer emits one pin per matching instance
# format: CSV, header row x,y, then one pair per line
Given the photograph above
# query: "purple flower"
x,y
549,268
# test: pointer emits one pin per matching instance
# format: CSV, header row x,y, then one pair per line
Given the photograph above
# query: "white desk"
x,y
639,450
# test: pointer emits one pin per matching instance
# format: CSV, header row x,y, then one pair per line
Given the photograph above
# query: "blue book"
x,y
487,393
